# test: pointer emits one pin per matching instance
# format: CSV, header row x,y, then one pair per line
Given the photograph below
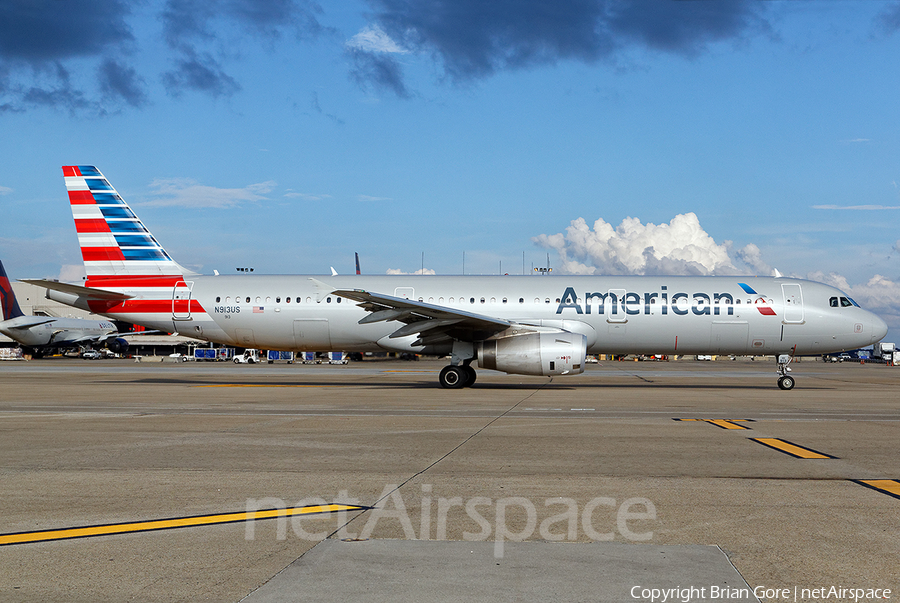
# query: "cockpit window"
x,y
842,302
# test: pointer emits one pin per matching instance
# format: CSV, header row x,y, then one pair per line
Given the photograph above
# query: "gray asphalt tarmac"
x,y
635,454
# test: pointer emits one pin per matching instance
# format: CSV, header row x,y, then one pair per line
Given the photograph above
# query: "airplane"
x,y
44,334
529,325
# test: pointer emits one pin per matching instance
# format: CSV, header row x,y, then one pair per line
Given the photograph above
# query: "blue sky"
x,y
705,137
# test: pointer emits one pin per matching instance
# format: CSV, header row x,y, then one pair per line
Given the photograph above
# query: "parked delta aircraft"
x,y
520,325
43,334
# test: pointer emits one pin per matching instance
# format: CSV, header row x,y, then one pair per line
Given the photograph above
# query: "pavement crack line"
x,y
444,456
415,475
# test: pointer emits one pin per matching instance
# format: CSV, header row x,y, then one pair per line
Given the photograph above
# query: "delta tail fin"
x,y
114,242
9,306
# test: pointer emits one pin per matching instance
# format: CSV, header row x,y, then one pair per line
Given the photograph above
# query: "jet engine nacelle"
x,y
118,346
534,353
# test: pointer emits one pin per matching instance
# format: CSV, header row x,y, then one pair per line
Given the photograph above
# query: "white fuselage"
x,y
617,314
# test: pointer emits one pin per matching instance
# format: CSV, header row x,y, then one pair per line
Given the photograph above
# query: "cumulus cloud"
x,y
473,39
679,247
184,192
419,271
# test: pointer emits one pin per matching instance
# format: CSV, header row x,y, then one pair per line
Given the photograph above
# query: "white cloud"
x,y
368,199
185,192
751,255
72,273
373,39
5,190
679,247
857,207
306,196
395,271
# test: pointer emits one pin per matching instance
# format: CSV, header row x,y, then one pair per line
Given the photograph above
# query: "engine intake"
x,y
534,353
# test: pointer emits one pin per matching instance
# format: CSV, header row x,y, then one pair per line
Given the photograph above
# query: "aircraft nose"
x,y
879,329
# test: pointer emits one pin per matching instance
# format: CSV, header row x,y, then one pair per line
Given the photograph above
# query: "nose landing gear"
x,y
785,381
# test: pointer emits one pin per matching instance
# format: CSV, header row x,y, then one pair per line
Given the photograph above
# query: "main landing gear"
x,y
457,376
785,381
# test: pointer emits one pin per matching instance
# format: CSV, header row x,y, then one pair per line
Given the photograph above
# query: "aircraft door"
x,y
181,300
405,292
615,306
793,303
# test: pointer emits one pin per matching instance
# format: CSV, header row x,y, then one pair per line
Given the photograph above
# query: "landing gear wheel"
x,y
453,377
471,375
786,382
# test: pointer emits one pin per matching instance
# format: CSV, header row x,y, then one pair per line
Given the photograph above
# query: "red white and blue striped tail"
x,y
114,242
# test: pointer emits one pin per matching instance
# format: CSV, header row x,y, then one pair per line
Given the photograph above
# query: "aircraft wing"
x,y
86,292
431,322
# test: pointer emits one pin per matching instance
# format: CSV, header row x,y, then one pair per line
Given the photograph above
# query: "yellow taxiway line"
x,y
169,524
792,449
891,487
723,423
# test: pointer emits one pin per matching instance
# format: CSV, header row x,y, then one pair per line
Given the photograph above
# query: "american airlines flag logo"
x,y
761,304
258,310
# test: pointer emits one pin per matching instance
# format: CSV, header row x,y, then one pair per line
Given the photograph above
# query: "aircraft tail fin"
x,y
9,306
114,242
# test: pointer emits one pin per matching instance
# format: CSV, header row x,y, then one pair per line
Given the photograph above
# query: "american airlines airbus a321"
x,y
518,325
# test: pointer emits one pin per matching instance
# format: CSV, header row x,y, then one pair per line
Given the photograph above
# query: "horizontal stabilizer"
x,y
26,322
85,292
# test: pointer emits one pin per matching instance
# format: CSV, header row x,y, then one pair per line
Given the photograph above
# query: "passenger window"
x,y
521,300
471,300
287,300
450,300
218,299
504,300
482,300
248,300
547,301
